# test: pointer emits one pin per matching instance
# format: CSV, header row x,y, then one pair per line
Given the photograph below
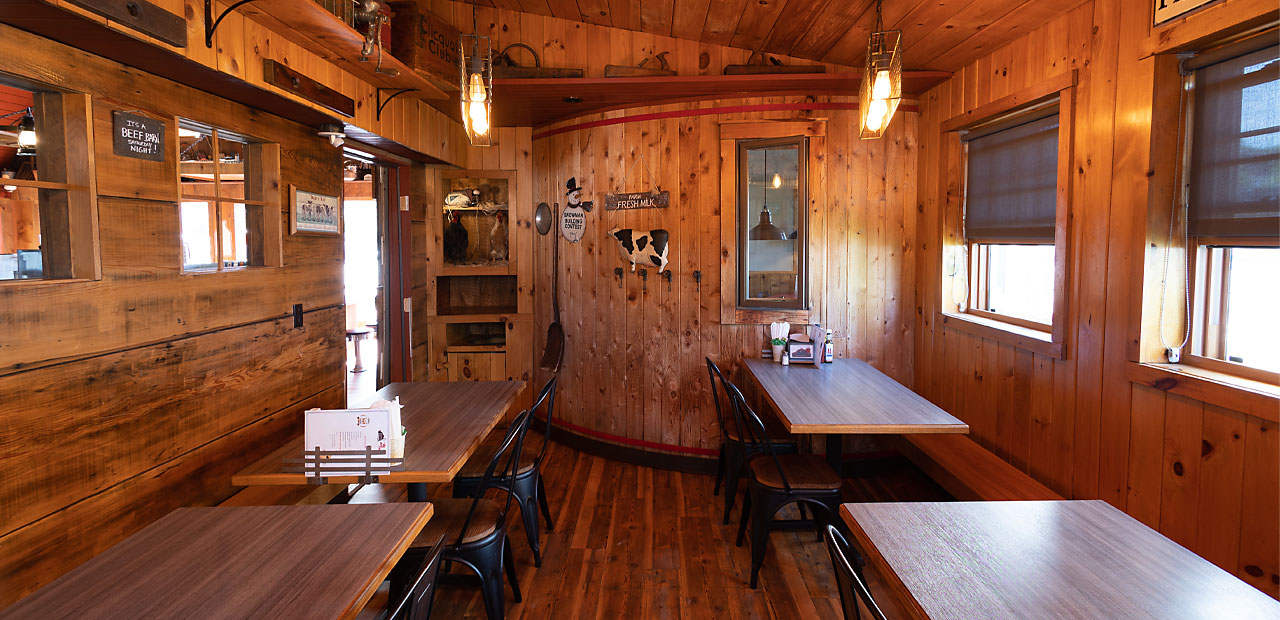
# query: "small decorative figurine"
x,y
455,240
498,238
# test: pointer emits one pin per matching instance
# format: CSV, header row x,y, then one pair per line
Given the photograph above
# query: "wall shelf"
x,y
309,25
498,269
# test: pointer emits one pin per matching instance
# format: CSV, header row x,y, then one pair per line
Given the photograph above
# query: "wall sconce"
x,y
881,80
334,132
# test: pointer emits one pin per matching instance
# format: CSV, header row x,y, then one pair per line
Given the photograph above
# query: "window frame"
x,y
70,248
1206,340
956,310
979,270
261,200
742,213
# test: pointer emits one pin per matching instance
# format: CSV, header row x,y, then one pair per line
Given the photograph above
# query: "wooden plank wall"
x,y
124,398
1204,475
634,367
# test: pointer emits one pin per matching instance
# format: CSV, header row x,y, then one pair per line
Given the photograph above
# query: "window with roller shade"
x,y
1010,216
1233,210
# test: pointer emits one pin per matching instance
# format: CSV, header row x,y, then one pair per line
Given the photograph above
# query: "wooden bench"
x,y
969,472
273,495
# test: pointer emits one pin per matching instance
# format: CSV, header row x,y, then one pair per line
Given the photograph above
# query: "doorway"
x,y
375,264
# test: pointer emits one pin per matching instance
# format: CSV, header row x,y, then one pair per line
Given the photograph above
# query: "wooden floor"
x,y
636,542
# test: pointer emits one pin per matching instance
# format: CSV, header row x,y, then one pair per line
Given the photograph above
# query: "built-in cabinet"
x,y
478,329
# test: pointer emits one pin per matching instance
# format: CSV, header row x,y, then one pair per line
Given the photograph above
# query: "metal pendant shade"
x,y
475,64
765,230
881,81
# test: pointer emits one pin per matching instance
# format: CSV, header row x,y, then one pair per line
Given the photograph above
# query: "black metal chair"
x,y
734,449
479,527
528,488
777,480
849,578
415,604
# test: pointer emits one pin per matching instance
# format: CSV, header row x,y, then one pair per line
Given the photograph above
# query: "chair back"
x,y
731,418
546,396
416,604
503,465
713,373
755,434
849,580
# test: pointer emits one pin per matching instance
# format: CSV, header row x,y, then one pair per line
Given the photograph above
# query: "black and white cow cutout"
x,y
643,249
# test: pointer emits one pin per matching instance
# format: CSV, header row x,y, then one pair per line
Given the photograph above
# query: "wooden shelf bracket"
x,y
211,24
382,103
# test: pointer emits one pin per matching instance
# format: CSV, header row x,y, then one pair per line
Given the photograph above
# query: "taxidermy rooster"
x,y
455,240
498,238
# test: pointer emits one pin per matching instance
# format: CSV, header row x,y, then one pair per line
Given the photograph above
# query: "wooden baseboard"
x,y
685,463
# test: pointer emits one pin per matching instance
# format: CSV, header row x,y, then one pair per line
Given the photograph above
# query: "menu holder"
x,y
365,464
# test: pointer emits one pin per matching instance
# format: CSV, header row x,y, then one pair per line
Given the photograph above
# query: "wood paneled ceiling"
x,y
937,34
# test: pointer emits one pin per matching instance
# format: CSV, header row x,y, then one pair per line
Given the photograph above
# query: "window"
x,y
772,223
1233,211
229,192
1010,218
48,214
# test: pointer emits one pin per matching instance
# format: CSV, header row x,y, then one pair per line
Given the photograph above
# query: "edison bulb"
x,y
777,180
475,88
882,88
876,112
479,116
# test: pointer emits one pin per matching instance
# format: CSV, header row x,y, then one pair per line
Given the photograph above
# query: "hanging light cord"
x,y
879,20
1179,189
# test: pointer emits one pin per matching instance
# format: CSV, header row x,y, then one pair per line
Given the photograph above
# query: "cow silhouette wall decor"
x,y
644,249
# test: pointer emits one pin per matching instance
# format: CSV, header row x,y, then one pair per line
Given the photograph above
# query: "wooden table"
x,y
316,562
1043,559
845,397
445,422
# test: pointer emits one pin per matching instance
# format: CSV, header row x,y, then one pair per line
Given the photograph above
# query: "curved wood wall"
x,y
634,368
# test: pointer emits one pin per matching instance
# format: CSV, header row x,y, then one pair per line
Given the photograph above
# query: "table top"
x,y
1041,559
445,422
847,396
315,562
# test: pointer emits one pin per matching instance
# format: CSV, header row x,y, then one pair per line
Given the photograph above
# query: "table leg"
x,y
834,457
359,363
417,491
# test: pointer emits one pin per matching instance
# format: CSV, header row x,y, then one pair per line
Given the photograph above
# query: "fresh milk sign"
x,y
137,136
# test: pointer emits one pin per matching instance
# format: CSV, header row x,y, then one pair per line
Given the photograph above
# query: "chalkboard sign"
x,y
637,200
137,136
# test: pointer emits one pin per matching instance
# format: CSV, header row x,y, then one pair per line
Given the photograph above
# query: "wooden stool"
x,y
357,335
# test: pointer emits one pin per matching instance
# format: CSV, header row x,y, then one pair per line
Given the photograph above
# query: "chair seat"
x,y
475,466
804,471
446,522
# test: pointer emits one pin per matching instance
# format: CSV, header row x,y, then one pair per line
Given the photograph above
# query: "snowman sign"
x,y
573,221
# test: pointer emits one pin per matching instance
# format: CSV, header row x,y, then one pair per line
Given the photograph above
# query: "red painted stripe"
x,y
761,107
640,443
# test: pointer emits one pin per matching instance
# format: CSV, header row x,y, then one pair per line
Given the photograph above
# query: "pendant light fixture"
x,y
881,80
765,230
475,63
25,130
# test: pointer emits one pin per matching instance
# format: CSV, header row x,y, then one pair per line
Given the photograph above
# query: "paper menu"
x,y
347,429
